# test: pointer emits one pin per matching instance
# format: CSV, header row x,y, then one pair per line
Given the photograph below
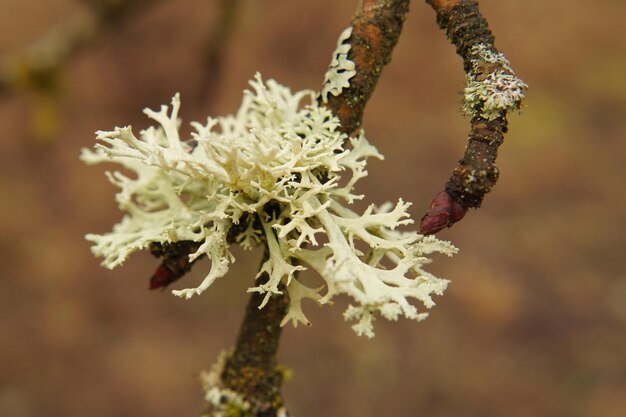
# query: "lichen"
x,y
280,173
223,402
492,87
341,68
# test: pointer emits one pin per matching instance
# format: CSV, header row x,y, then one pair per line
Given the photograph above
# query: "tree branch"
x,y
38,66
477,172
251,370
215,49
376,27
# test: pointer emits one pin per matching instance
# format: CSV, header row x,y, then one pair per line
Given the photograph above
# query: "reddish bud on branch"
x,y
444,212
175,262
477,172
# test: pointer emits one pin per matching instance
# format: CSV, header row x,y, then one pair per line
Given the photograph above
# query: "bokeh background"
x,y
533,323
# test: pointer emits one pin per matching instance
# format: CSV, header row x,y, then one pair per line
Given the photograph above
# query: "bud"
x,y
444,212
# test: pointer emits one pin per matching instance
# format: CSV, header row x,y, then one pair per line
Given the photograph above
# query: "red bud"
x,y
162,277
444,212
434,220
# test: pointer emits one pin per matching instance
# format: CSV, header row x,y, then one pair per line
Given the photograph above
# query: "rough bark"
x,y
252,368
376,27
476,172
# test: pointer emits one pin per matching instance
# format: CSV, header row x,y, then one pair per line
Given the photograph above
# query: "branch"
x,y
376,27
215,49
251,371
38,66
492,91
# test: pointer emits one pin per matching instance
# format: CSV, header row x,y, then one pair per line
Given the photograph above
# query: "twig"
x,y
175,262
215,48
492,91
376,27
252,370
38,66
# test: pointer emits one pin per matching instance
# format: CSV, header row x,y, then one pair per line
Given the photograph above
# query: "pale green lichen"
x,y
340,70
280,172
492,87
223,402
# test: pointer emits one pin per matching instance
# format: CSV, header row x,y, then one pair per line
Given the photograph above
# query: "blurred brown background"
x,y
533,324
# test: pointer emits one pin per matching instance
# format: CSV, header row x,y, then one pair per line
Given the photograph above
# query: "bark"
x,y
476,172
252,369
376,27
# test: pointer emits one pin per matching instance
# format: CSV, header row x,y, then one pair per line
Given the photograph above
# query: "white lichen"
x,y
223,402
270,174
492,86
340,70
